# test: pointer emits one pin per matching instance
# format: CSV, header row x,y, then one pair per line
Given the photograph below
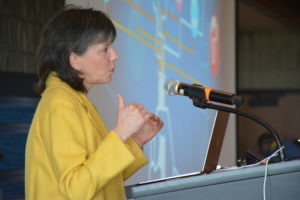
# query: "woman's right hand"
x,y
130,118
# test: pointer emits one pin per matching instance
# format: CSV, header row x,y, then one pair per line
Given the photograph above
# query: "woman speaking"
x,y
70,154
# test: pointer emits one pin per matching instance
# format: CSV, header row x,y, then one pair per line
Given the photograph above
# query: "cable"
x,y
263,160
265,179
200,104
266,161
266,169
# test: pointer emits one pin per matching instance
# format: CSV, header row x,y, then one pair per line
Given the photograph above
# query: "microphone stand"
x,y
202,104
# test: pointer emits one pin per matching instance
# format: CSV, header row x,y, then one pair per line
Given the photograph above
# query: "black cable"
x,y
199,104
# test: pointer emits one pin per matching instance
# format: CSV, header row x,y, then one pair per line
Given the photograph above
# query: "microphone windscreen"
x,y
171,87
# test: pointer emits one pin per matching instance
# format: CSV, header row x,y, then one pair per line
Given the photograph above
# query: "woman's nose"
x,y
114,54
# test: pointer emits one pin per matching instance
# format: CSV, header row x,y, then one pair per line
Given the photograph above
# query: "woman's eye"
x,y
106,49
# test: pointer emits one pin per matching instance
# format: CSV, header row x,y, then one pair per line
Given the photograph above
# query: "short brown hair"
x,y
71,30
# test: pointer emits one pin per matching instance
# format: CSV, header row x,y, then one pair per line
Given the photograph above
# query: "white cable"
x,y
266,169
264,160
265,179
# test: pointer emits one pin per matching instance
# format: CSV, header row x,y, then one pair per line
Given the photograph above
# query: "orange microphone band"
x,y
207,93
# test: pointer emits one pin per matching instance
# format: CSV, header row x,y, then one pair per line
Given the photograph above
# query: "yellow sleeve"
x,y
140,159
78,174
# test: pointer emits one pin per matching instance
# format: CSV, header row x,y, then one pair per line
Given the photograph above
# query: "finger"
x,y
142,110
138,106
161,124
156,118
158,121
135,104
149,116
121,102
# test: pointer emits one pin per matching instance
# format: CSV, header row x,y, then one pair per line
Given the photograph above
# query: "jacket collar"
x,y
53,81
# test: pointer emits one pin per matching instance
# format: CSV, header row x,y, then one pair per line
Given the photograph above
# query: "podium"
x,y
282,183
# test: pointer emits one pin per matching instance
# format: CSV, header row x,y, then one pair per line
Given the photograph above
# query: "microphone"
x,y
174,87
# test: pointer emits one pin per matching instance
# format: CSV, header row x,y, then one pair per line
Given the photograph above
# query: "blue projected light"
x,y
160,40
194,17
136,69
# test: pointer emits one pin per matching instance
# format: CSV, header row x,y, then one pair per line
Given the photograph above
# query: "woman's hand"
x,y
148,130
130,118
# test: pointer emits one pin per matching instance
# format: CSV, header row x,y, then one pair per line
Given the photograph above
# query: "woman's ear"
x,y
74,61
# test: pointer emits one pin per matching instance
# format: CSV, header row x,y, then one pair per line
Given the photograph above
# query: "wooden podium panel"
x,y
283,183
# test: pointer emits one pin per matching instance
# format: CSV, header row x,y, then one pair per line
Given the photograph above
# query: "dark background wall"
x,y
268,68
21,22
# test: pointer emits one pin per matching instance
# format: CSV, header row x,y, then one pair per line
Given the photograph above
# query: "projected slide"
x,y
158,40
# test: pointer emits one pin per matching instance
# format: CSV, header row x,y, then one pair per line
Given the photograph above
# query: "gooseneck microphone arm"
x,y
201,104
201,97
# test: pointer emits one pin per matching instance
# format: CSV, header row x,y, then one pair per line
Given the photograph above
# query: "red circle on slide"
x,y
214,46
179,5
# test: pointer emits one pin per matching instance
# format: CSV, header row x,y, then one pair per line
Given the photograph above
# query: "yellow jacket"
x,y
70,154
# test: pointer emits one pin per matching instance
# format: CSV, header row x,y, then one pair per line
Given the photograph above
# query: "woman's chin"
x,y
107,80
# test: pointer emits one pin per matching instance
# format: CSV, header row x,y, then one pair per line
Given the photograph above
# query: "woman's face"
x,y
96,65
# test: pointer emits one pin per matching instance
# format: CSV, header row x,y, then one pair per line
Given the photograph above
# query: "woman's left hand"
x,y
149,130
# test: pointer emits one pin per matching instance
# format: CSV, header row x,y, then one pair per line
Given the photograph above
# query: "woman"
x,y
70,154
